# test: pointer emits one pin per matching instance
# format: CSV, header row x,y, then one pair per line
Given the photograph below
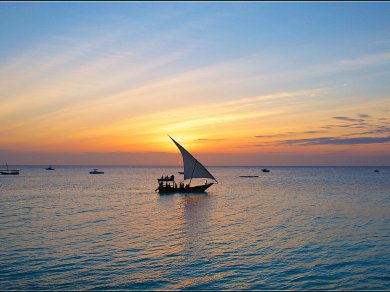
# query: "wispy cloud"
x,y
230,111
338,141
211,139
378,130
367,60
373,126
348,119
289,134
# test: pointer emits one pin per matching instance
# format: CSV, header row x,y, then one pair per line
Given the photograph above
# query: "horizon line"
x,y
180,166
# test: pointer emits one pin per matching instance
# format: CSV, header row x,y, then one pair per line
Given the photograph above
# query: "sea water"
x,y
292,228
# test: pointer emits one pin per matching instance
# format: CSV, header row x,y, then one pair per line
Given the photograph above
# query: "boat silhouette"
x,y
96,171
192,169
49,168
9,171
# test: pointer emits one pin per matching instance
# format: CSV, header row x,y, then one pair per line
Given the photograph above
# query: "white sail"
x,y
192,167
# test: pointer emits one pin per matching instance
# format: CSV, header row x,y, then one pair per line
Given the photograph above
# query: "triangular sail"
x,y
192,167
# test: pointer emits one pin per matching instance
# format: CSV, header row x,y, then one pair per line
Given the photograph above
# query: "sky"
x,y
235,83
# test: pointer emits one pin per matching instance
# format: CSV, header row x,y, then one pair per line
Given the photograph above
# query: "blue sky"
x,y
234,28
266,69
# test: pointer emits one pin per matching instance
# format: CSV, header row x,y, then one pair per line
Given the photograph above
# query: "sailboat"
x,y
192,169
49,168
9,171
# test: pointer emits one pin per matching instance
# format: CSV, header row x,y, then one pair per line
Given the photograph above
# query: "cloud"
x,y
327,68
367,60
289,133
230,112
200,140
347,119
271,136
312,132
379,130
348,122
337,141
371,129
359,126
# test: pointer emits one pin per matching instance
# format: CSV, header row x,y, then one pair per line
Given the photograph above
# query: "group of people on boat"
x,y
173,185
167,178
169,182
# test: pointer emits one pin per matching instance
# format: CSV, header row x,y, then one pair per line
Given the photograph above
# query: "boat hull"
x,y
195,189
9,173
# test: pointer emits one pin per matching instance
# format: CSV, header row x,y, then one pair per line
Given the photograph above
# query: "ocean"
x,y
294,228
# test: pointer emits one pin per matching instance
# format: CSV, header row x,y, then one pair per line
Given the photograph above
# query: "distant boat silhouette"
x,y
95,171
9,171
376,170
249,176
49,168
265,170
181,172
192,169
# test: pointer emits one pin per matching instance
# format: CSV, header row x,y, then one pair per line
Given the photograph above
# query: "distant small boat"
x,y
181,172
95,171
265,170
9,171
376,170
49,168
249,176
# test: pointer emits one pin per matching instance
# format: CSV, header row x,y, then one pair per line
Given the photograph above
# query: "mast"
x,y
192,172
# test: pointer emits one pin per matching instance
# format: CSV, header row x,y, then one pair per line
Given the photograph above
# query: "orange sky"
x,y
211,86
